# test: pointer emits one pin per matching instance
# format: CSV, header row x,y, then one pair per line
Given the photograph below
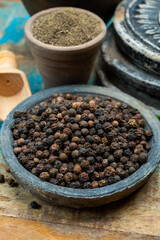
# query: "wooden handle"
x,y
8,60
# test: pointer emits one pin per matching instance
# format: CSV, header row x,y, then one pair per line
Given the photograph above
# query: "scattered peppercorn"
x,y
2,180
80,141
12,183
35,205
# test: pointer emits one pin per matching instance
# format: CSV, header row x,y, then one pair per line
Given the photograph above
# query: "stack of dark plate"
x,y
130,56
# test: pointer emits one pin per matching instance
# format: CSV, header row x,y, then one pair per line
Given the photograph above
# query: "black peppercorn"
x,y
12,183
70,167
54,148
94,184
63,157
57,164
75,154
127,152
118,154
44,176
60,177
77,168
75,127
109,171
84,131
102,183
72,112
83,177
91,160
2,180
83,151
148,133
17,150
53,181
131,170
90,170
53,172
87,185
143,157
39,154
68,177
85,164
132,136
110,159
35,205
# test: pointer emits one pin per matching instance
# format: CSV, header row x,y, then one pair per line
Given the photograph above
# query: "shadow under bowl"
x,y
80,198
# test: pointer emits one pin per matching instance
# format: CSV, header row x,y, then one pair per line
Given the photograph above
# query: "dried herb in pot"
x,y
66,27
81,142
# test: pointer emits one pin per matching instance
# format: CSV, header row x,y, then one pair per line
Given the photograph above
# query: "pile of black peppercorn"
x,y
81,141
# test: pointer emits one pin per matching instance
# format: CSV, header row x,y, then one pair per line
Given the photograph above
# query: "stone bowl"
x,y
104,8
80,198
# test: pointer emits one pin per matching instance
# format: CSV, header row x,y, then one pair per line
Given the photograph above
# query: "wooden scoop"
x,y
14,86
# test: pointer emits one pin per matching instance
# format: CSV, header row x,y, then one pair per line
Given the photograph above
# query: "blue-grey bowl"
x,y
80,198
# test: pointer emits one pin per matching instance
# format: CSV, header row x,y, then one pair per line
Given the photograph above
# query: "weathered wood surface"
x,y
135,217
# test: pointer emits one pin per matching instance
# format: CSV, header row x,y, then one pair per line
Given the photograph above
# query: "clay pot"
x,y
103,8
64,65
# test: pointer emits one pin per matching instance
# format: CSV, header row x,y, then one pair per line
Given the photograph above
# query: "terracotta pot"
x,y
64,65
104,8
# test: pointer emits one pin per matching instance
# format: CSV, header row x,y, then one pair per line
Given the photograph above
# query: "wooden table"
x,y
135,217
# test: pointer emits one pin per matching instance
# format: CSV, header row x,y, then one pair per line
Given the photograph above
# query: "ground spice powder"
x,y
66,27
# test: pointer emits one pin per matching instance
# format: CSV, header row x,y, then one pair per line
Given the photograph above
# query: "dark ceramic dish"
x,y
80,198
136,24
103,8
117,68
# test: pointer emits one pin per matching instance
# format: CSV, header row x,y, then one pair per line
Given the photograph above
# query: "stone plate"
x,y
137,24
80,198
125,75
